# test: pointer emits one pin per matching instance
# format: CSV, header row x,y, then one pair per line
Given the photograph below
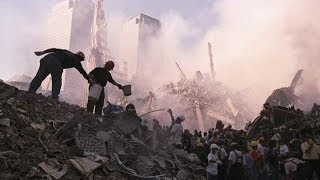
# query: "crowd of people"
x,y
287,154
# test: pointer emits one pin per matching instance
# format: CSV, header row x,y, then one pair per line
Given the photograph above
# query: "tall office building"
x,y
69,27
138,44
79,25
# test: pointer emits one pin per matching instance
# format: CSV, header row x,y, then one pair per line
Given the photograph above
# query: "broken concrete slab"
x,y
101,159
193,158
52,167
90,144
36,126
21,110
84,165
104,136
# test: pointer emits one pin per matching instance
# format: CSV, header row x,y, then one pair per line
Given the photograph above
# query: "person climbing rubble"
x,y
176,130
100,76
53,63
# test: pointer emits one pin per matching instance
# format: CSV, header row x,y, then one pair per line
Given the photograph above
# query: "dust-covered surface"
x,y
41,138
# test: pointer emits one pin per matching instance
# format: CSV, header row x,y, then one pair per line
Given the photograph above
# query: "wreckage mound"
x,y
41,138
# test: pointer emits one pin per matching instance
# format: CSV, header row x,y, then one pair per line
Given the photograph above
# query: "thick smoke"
x,y
21,34
261,44
258,46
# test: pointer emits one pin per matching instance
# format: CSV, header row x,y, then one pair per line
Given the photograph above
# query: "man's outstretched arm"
x,y
83,72
39,53
110,79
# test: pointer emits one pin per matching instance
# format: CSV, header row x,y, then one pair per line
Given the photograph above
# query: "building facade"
x,y
69,27
138,42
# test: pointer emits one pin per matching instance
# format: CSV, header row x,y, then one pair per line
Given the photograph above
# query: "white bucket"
x,y
94,92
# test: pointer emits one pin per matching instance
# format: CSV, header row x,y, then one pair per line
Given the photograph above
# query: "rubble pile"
x,y
47,139
203,100
273,118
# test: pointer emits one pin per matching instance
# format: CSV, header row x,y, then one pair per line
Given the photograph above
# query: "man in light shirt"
x,y
176,132
283,149
311,152
213,162
291,168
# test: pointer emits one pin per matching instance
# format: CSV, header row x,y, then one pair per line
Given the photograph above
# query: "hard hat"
x,y
254,143
214,146
234,144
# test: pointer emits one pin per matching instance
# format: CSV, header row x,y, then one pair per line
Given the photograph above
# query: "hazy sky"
x,y
22,24
258,44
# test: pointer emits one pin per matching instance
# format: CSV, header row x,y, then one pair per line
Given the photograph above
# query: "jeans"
x,y
48,65
98,105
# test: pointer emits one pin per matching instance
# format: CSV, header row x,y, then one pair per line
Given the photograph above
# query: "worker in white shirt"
x,y
213,162
176,131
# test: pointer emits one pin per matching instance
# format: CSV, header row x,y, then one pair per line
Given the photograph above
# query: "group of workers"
x,y
56,60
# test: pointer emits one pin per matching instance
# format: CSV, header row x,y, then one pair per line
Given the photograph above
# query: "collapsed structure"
x,y
203,100
44,138
280,112
285,96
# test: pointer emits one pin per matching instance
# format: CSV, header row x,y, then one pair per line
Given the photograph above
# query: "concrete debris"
x,y
182,175
53,168
5,122
90,144
285,96
66,142
36,126
274,118
104,136
193,158
126,124
203,102
9,92
84,165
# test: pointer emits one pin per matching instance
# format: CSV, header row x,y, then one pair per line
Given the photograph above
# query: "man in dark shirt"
x,y
54,63
101,76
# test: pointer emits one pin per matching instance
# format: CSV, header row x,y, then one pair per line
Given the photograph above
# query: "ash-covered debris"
x,y
286,96
205,102
43,138
272,118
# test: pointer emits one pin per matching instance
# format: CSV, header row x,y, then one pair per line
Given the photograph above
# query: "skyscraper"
x,y
80,25
137,43
69,27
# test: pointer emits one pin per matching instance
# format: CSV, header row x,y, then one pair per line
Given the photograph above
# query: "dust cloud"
x,y
258,46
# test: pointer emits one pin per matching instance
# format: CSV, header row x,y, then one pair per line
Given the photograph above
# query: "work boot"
x,y
55,98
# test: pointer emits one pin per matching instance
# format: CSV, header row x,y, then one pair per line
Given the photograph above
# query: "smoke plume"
x,y
258,46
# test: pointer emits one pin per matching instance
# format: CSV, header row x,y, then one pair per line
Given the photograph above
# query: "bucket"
x,y
126,90
94,92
